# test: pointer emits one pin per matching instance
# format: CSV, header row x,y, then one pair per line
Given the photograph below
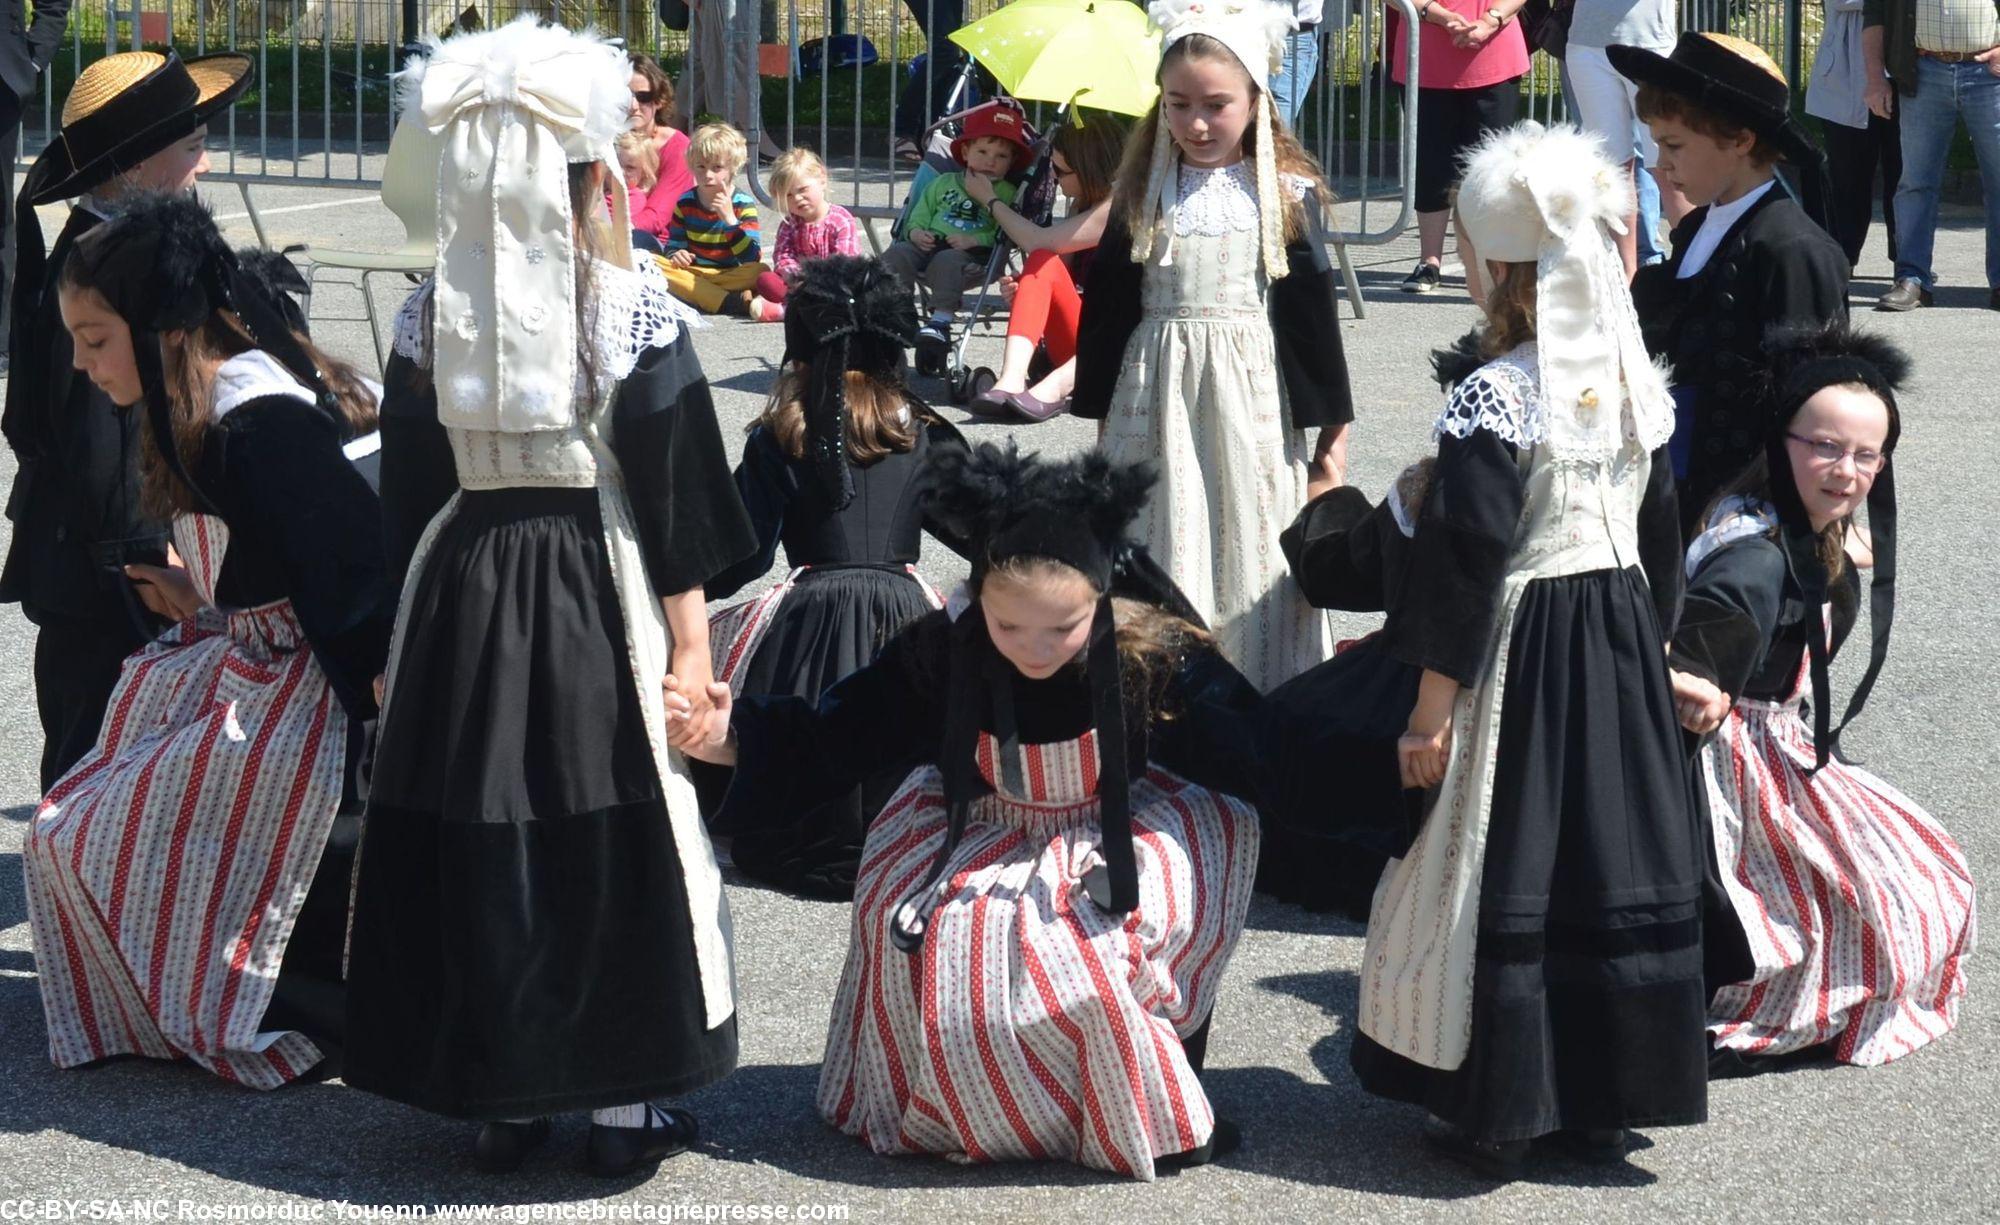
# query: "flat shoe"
x,y
502,1147
1500,1160
990,403
1034,409
613,1152
1596,1145
1225,1139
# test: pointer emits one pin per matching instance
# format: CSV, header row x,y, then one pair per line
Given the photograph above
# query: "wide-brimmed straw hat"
x,y
125,108
1727,76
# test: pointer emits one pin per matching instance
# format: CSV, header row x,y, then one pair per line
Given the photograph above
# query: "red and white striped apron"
x,y
165,871
1032,1025
1858,905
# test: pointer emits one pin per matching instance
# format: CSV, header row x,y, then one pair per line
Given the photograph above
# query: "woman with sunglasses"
x,y
653,117
1046,298
1856,904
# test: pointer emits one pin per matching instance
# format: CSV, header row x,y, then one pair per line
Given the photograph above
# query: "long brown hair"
x,y
665,110
877,421
1510,311
1093,149
1129,198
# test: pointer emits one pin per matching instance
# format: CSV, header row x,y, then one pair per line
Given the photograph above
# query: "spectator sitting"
x,y
714,251
813,227
653,118
1943,57
1047,302
949,234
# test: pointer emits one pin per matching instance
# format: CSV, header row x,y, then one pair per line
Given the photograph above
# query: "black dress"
x,y
857,589
1551,578
1334,807
538,925
76,520
1774,268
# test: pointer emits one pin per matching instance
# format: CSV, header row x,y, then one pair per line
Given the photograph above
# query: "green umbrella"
x,y
1102,54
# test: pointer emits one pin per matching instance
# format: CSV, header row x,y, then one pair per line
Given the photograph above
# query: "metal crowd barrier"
x,y
321,109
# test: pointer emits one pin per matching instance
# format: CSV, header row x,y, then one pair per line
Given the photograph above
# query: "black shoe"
x,y
613,1152
1992,304
502,1147
1424,278
1500,1160
1908,294
1225,1139
1596,1145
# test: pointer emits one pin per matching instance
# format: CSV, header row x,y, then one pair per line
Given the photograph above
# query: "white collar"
x,y
1715,226
254,375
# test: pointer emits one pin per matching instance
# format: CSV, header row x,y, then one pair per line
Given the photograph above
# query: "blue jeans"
x,y
1945,94
1295,76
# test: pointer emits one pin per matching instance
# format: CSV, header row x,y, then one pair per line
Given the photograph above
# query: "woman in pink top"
x,y
653,117
1470,61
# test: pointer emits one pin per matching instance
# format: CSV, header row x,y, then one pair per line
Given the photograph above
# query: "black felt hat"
x,y
125,108
1729,77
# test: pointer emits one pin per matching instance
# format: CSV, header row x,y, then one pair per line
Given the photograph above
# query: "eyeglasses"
x,y
1827,451
643,96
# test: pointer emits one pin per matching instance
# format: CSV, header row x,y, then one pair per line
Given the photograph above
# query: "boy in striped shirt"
x,y
714,253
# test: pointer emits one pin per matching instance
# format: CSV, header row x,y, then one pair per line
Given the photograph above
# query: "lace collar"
x,y
1737,517
1223,200
1505,397
633,312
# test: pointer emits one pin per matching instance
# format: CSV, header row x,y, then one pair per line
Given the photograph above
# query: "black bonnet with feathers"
x,y
845,314
1006,504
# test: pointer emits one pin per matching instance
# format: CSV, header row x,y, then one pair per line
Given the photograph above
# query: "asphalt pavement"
x,y
1916,1141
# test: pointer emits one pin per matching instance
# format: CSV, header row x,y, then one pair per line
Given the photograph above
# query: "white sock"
x,y
941,319
638,1114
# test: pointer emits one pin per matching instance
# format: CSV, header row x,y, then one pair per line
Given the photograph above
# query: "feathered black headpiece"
x,y
163,265
1803,361
846,314
1007,505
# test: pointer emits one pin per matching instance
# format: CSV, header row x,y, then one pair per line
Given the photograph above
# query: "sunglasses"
x,y
643,96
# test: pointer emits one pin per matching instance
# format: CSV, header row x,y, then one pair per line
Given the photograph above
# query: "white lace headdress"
x,y
512,108
1550,196
1255,32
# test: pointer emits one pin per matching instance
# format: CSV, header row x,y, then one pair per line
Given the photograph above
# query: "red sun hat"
x,y
1001,117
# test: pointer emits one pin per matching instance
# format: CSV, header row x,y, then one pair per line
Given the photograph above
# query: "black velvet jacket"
x,y
303,527
1305,323
75,499
883,525
691,523
890,716
1775,267
1744,625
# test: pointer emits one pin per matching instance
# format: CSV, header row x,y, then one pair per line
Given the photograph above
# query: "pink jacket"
x,y
653,211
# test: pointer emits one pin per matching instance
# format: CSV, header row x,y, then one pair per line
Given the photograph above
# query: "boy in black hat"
x,y
82,545
1746,258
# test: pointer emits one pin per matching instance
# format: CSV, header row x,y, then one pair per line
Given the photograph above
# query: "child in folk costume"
x,y
1858,905
1534,963
539,923
1210,342
175,882
830,472
1044,911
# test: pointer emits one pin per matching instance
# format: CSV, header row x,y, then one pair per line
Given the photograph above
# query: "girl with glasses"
x,y
1856,906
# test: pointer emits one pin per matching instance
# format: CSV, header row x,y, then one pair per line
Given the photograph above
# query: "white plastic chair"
x,y
409,190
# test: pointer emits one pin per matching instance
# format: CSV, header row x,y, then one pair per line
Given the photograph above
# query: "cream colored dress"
x,y
1200,397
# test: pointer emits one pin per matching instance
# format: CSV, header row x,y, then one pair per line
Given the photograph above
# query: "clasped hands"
x,y
697,708
1466,33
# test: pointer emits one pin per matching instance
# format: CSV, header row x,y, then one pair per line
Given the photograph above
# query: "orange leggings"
x,y
1047,306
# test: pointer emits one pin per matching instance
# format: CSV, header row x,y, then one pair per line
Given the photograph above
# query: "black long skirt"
x,y
833,622
1588,1003
522,943
1336,811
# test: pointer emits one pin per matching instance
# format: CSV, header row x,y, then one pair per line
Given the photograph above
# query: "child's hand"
x,y
1008,286
704,734
166,591
963,242
1698,704
1422,754
717,200
979,187
1323,476
682,258
923,240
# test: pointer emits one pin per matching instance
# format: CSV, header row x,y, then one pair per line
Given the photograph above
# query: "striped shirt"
x,y
699,229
